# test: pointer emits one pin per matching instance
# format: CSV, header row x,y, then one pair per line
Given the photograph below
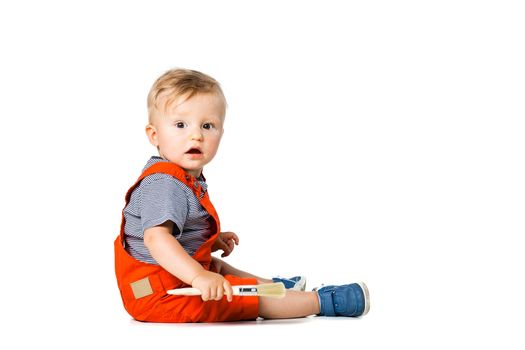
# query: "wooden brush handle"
x,y
184,291
195,291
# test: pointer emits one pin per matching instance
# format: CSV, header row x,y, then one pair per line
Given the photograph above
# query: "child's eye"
x,y
208,126
179,125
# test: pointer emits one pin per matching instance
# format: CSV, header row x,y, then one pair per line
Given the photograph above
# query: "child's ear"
x,y
151,132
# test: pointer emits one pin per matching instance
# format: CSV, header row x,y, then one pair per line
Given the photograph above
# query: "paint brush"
x,y
270,290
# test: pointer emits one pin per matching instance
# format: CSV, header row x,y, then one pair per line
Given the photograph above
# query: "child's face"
x,y
189,134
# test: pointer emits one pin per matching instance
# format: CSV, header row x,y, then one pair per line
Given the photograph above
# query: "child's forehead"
x,y
186,105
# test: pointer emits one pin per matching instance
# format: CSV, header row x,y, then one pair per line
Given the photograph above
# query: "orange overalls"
x,y
143,286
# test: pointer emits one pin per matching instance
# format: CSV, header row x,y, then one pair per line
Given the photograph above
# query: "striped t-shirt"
x,y
157,199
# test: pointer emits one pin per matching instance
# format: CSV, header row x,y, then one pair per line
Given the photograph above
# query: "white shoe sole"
x,y
367,297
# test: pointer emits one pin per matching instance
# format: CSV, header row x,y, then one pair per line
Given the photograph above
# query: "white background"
x,y
373,140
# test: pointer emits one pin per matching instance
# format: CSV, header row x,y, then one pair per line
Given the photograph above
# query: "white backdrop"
x,y
378,141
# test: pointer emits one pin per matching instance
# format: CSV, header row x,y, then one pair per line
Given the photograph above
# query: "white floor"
x,y
399,319
369,140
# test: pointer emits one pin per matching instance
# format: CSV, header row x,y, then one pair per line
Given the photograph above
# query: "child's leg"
x,y
224,268
294,304
296,283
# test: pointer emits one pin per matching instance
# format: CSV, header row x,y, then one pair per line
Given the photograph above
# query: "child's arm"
x,y
168,252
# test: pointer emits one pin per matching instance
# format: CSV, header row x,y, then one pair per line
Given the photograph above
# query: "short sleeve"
x,y
163,199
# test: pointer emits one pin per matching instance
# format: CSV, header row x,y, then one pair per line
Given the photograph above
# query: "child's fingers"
x,y
228,290
235,238
220,293
229,236
205,294
213,294
231,245
226,248
221,245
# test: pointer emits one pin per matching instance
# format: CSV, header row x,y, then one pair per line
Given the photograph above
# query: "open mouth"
x,y
194,151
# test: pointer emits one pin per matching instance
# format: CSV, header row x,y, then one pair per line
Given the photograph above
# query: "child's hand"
x,y
212,286
226,242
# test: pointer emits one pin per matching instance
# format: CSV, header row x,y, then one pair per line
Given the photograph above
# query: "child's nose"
x,y
195,134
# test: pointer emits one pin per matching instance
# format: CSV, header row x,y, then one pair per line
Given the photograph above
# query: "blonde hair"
x,y
179,85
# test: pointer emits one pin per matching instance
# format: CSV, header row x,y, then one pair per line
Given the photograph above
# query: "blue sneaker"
x,y
294,283
349,300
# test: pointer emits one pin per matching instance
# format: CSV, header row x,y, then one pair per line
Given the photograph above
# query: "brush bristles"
x,y
272,290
